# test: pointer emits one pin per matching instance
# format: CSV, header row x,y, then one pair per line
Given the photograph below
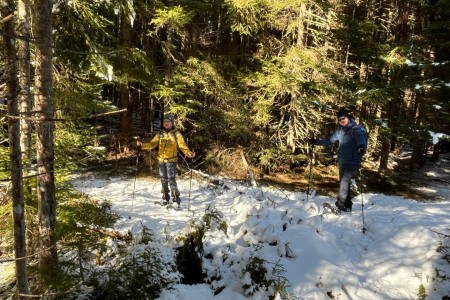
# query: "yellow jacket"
x,y
168,147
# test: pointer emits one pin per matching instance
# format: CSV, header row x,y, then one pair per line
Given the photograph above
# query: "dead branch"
x,y
249,171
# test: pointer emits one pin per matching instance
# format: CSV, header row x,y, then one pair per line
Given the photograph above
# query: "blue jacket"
x,y
349,138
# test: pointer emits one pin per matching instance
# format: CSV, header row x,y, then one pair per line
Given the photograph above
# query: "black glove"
x,y
313,141
360,150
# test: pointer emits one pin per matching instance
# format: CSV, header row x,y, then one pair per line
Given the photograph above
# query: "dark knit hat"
x,y
170,117
343,113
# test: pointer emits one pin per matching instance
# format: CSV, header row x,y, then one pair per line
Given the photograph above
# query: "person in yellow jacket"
x,y
169,141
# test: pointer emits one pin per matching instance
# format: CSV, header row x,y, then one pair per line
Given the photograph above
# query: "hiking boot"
x,y
348,204
340,205
345,206
165,199
176,198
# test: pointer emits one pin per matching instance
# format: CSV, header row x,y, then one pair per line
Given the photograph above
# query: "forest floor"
x,y
433,179
429,182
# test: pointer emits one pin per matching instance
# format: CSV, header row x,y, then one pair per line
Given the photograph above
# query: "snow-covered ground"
x,y
433,178
323,255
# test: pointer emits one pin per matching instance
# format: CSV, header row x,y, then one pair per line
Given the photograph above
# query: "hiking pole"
x,y
190,185
362,201
311,153
190,167
136,171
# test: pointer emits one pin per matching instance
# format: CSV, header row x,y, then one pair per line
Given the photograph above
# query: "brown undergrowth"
x,y
321,178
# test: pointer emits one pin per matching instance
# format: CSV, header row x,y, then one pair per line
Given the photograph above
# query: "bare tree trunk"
x,y
152,115
418,141
42,30
418,155
436,151
386,142
385,151
24,79
145,117
18,203
167,67
393,111
126,118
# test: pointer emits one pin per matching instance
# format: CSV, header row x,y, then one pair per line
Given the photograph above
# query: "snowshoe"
x,y
165,200
176,202
331,209
173,206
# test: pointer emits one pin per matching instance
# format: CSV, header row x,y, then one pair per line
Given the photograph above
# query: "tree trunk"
x,y
127,116
24,79
385,151
436,151
124,90
168,59
44,128
18,203
418,155
393,115
419,143
145,117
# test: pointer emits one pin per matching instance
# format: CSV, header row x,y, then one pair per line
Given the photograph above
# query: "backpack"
x,y
363,129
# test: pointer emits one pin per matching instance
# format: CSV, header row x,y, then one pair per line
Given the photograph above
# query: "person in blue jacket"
x,y
352,146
